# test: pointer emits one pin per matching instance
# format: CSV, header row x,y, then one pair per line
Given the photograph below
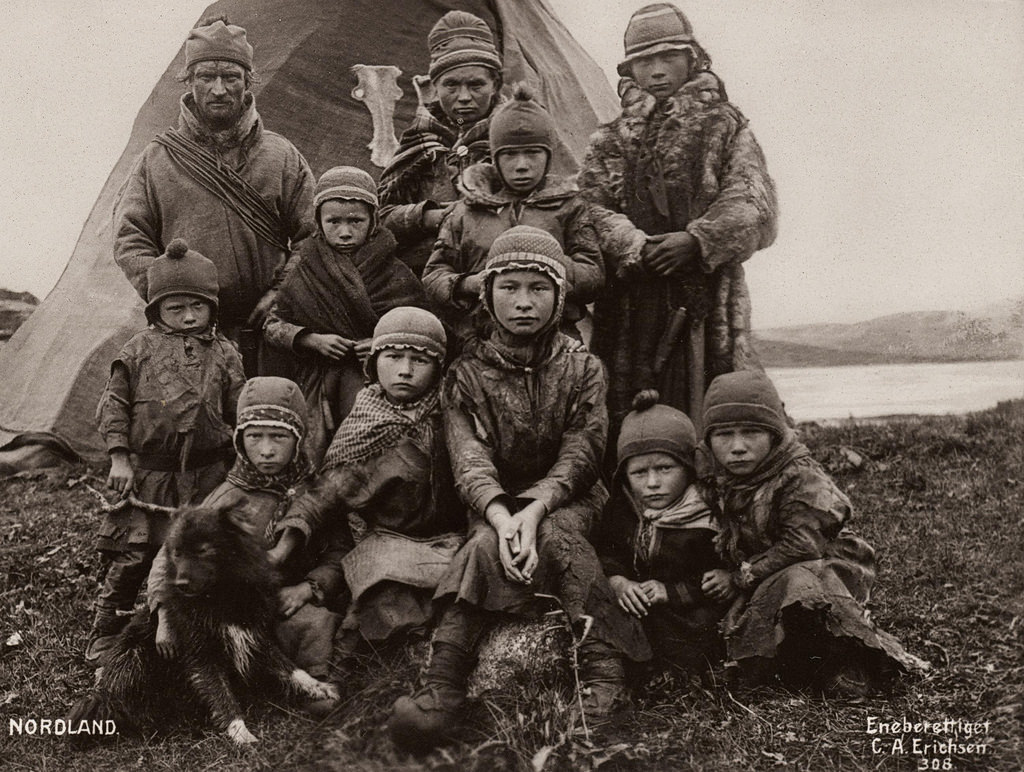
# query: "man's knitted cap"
x,y
521,122
744,397
345,183
407,327
273,402
180,271
459,39
218,42
654,428
654,29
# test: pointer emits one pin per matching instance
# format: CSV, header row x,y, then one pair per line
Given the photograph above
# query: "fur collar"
x,y
481,185
245,133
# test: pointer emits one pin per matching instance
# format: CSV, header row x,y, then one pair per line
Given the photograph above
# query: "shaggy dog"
x,y
220,614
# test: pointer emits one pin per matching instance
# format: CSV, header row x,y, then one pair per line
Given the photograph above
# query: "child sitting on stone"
x,y
166,416
515,190
345,278
798,579
657,536
526,424
270,470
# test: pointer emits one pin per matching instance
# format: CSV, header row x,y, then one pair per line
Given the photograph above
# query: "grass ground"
x,y
942,499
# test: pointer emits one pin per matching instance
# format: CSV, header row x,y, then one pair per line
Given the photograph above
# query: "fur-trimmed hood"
x,y
481,185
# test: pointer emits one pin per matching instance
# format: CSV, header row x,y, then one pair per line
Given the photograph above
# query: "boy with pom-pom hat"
x,y
515,189
657,536
166,417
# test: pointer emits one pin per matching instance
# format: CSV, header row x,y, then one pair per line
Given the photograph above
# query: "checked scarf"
x,y
375,424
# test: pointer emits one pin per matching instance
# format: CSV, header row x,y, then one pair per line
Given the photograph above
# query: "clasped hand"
x,y
517,540
636,598
670,253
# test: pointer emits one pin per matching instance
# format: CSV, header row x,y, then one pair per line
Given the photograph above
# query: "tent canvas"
x,y
53,369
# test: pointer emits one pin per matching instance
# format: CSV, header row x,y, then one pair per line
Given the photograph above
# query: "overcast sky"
x,y
894,131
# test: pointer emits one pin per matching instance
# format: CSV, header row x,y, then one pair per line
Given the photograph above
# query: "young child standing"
x,y
270,471
657,536
389,465
515,190
526,425
166,416
346,277
798,579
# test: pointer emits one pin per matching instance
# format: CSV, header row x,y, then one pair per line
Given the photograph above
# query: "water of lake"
x,y
862,391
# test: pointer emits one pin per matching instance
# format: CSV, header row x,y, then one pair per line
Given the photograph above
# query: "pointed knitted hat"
x,y
654,428
521,122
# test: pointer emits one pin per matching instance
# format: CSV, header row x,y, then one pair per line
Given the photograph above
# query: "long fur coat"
x,y
687,163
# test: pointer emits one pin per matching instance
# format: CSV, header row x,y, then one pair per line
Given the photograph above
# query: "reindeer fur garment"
x,y
689,162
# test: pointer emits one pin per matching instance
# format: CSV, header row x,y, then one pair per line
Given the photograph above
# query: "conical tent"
x,y
53,370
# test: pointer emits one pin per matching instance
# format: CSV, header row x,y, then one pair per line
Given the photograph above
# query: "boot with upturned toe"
x,y
434,713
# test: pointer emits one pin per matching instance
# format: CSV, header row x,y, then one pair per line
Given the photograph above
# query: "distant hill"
x,y
15,308
992,333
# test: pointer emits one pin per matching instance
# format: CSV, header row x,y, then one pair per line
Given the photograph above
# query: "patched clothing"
x,y
691,163
784,533
170,402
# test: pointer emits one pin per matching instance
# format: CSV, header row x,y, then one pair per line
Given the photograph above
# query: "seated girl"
x,y
388,464
798,579
526,425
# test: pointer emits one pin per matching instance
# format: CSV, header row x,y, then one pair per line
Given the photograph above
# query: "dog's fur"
x,y
220,612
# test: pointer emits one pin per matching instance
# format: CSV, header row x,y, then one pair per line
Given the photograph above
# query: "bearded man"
x,y
236,192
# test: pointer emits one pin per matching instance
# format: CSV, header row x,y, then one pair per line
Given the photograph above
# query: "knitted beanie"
x,y
654,29
218,42
654,428
180,271
459,39
525,248
407,327
744,397
521,122
270,401
345,183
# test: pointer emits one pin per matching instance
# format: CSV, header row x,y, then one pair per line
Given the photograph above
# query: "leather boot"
x,y
430,716
603,678
346,642
433,713
106,626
